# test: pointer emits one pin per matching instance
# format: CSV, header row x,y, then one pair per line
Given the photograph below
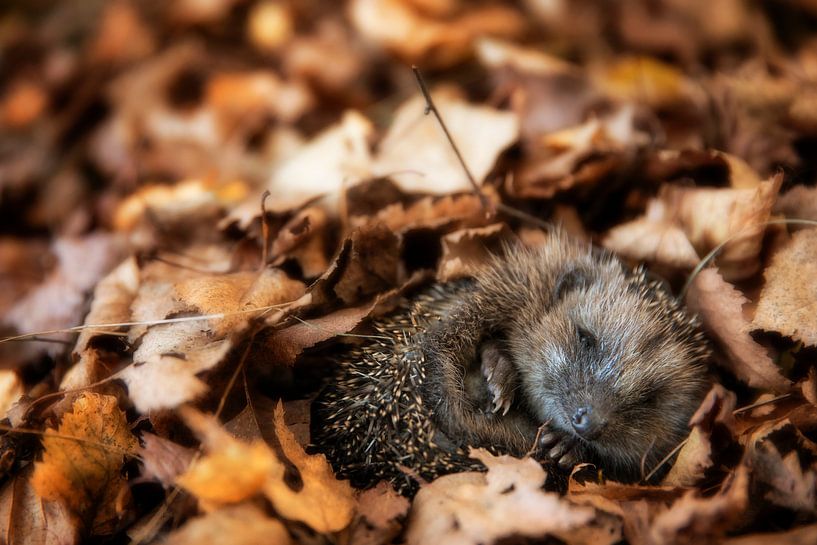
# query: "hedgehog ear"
x,y
571,279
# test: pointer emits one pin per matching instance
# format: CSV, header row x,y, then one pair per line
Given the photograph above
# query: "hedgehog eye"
x,y
586,339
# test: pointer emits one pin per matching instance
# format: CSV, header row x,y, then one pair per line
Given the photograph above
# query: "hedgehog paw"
x,y
499,376
560,447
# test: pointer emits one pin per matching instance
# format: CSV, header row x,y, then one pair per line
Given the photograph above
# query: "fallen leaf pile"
x,y
199,199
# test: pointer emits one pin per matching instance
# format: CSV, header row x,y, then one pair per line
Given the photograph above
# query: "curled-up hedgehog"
x,y
558,350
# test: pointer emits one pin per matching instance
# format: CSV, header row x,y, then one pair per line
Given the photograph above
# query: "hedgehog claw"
x,y
500,377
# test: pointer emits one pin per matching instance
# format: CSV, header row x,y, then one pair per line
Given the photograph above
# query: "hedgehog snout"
x,y
587,422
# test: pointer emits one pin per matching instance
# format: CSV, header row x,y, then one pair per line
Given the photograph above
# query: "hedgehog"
x,y
559,350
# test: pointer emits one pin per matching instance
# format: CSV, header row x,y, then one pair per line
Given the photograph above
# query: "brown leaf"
x,y
170,356
466,250
11,388
60,300
401,28
111,303
695,456
719,305
164,460
25,519
653,238
84,473
694,519
380,510
479,508
334,158
788,302
712,216
787,482
417,156
800,202
242,524
234,471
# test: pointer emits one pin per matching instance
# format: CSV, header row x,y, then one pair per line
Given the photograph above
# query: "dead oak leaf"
x,y
788,301
233,471
417,156
81,468
719,305
163,460
470,508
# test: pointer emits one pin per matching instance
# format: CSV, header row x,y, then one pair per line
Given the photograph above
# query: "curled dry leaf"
x,y
416,154
234,471
712,216
82,461
466,250
695,519
110,305
778,472
719,305
788,302
242,524
695,457
471,508
562,159
653,238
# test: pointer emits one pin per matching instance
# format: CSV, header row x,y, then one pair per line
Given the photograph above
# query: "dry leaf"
x,y
81,468
243,524
784,480
471,508
693,519
163,460
788,302
11,388
800,202
113,296
654,239
380,509
170,356
25,519
719,306
712,216
233,471
399,27
466,250
415,153
695,457
336,157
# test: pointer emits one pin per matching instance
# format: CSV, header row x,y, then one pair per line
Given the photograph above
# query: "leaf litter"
x,y
221,191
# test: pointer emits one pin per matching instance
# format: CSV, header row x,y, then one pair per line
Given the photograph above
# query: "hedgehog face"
x,y
615,365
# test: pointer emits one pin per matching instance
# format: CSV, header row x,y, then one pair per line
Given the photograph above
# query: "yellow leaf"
x,y
82,461
323,502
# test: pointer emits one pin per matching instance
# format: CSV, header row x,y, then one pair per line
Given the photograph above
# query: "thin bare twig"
x,y
489,207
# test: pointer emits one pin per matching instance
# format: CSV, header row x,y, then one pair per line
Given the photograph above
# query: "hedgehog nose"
x,y
581,420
